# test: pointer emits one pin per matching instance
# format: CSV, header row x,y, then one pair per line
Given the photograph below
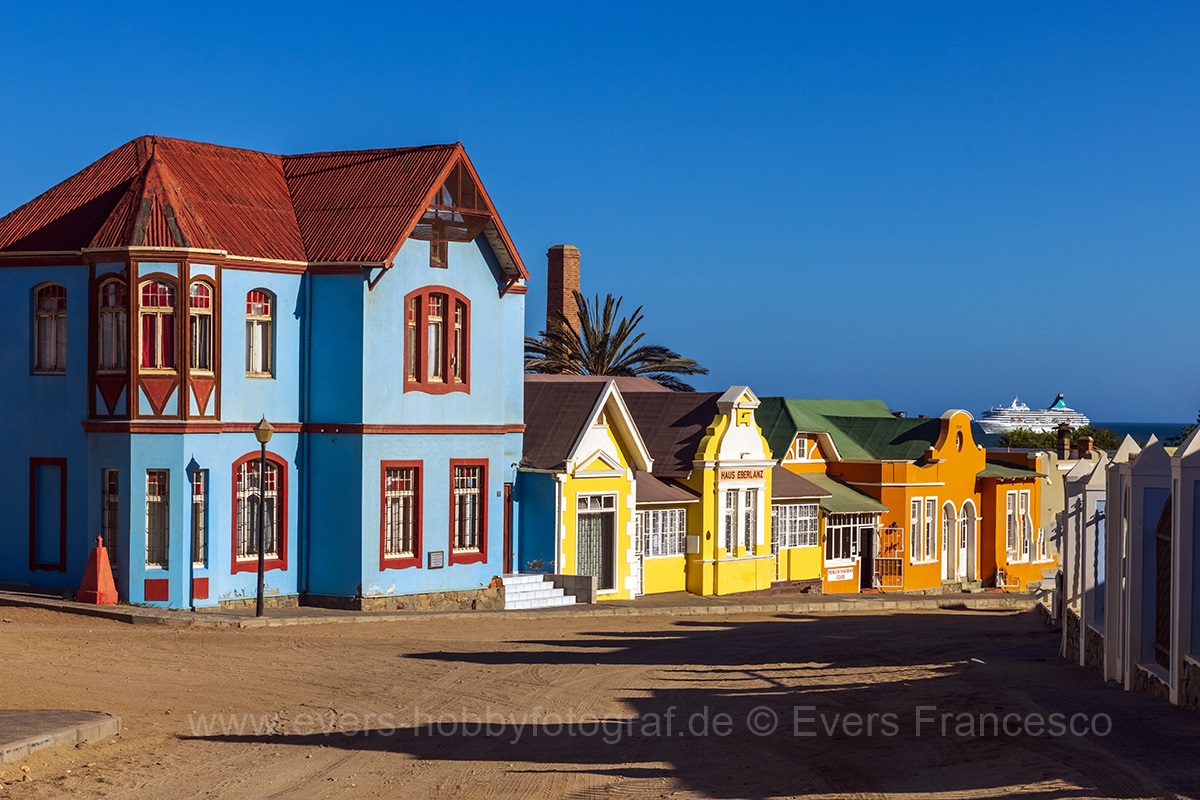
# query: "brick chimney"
x,y
1084,446
562,278
1064,440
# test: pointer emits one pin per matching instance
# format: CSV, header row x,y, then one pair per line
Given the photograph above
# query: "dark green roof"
x,y
1003,471
860,429
844,499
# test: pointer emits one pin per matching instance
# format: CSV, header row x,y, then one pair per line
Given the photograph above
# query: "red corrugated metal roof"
x,y
350,206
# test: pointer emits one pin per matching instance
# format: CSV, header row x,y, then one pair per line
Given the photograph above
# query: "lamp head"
x,y
263,431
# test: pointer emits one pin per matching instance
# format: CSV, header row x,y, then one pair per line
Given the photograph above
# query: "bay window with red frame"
x,y
437,341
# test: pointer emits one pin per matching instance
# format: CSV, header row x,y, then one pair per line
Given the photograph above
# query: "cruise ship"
x,y
1001,419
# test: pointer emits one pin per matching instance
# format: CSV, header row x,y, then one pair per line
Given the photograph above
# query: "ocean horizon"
x,y
1140,431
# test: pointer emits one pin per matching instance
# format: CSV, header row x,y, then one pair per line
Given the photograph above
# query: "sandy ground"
x,y
659,707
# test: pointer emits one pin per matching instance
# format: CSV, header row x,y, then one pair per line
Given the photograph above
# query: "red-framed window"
x,y
468,511
401,510
112,346
50,329
437,341
248,504
157,315
48,514
200,326
158,517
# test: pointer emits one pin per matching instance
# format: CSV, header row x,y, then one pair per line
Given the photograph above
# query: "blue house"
x,y
369,304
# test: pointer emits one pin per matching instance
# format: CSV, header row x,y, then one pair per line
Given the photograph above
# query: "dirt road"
x,y
888,706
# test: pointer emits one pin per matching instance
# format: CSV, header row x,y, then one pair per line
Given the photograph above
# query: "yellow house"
x,y
581,453
710,446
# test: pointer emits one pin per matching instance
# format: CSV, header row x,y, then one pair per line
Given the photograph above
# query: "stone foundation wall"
x,y
1146,681
1071,632
1093,650
1189,685
269,601
487,599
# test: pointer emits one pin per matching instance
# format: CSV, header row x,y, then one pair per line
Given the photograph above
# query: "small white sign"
x,y
840,574
437,559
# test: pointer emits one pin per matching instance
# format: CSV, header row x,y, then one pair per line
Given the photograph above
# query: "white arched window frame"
x,y
112,340
200,326
260,309
50,329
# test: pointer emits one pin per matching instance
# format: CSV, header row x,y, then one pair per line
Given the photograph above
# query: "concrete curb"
x,y
35,730
852,604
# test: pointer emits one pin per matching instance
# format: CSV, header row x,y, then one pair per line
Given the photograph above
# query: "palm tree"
x,y
604,345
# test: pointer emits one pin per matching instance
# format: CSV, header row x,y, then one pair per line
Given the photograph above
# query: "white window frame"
x,y
158,517
834,531
50,329
260,334
1011,525
795,525
732,505
661,532
923,530
1023,506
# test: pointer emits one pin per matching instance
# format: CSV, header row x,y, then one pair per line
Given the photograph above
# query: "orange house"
x,y
1014,546
940,528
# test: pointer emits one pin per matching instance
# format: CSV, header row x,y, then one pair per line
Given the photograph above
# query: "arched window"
x,y
113,344
437,346
158,325
50,329
250,501
200,326
260,307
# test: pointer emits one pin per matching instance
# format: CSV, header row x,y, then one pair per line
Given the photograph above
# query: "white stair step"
x,y
522,580
546,602
535,594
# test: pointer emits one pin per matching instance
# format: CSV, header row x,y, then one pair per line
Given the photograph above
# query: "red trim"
x,y
448,384
157,589
394,562
471,556
516,288
251,565
34,564
199,588
123,426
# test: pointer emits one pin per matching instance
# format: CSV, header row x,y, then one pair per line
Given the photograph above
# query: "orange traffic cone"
x,y
98,586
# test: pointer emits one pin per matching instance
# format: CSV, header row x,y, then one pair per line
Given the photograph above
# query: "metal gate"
x,y
889,560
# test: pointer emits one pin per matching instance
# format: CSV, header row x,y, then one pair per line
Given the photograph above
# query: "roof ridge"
x,y
373,150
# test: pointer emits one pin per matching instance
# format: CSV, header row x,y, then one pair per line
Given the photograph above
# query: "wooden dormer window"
x,y
157,316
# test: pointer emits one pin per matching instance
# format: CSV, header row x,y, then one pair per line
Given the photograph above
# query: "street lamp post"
x,y
262,432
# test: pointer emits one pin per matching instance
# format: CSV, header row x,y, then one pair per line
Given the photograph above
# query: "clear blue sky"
x,y
937,204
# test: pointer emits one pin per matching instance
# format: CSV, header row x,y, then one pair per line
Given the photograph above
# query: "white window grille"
x,y
795,524
468,499
930,551
750,529
200,517
915,527
247,491
662,532
1011,524
401,515
158,510
731,511
842,536
435,321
